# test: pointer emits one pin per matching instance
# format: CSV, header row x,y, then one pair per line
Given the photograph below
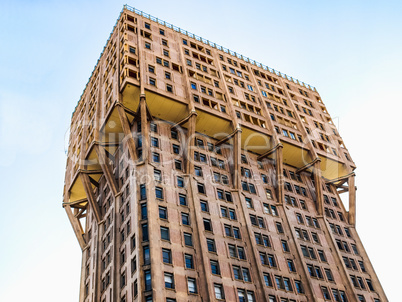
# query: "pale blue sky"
x,y
350,51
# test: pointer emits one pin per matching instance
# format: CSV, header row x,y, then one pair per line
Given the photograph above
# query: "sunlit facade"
x,y
197,174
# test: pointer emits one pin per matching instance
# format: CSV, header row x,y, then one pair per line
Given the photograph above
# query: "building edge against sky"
x,y
194,173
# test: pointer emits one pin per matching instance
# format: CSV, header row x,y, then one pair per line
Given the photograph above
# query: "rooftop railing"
x,y
217,46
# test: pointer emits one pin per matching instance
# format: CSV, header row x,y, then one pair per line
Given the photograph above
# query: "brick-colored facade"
x,y
195,174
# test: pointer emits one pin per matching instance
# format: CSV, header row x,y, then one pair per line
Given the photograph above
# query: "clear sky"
x,y
350,50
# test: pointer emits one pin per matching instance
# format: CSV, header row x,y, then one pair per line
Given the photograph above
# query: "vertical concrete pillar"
x,y
144,128
318,188
236,159
189,167
352,200
279,174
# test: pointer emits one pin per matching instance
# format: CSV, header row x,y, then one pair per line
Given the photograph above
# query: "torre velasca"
x,y
197,174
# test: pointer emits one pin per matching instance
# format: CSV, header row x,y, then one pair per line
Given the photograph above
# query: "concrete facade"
x,y
196,174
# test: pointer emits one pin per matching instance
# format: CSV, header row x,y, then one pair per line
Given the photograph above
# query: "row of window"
x,y
338,295
298,189
333,200
351,264
360,284
304,235
336,229
311,253
209,103
331,213
312,222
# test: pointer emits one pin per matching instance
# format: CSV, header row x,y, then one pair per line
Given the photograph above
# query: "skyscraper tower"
x,y
197,174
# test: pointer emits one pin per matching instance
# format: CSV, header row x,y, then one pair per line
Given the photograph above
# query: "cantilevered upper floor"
x,y
181,74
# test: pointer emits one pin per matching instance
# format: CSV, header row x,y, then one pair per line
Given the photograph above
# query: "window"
x,y
279,227
157,175
199,143
242,294
152,82
191,285
321,254
228,196
144,228
147,45
211,245
268,280
189,262
148,285
151,68
204,206
279,282
271,260
168,76
215,267
369,284
154,142
167,256
224,212
274,211
288,284
144,212
198,171
299,287
169,280
249,203
155,157
163,212
325,293
174,134
165,233
253,220
177,164
362,267
188,239
169,88
219,294
201,188
185,219
232,251
291,265
176,149
246,274
361,298
299,218
180,182
183,199
232,214
361,283
159,192
207,225
237,273
329,275
285,246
